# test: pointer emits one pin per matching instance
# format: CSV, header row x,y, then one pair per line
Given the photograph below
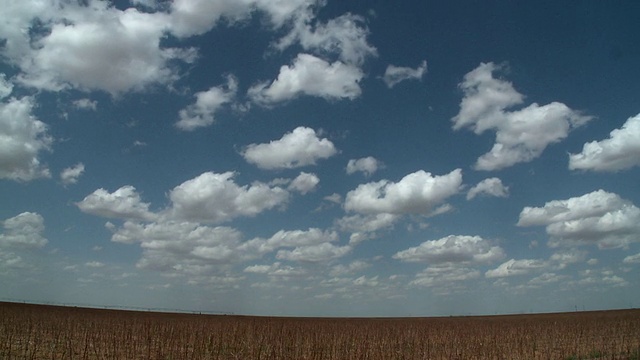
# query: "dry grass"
x,y
50,332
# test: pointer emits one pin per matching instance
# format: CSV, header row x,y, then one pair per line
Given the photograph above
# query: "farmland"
x,y
53,332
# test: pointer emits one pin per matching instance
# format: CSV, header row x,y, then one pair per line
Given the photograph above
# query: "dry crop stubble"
x,y
53,332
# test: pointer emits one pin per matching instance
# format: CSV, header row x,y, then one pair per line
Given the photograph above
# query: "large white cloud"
x,y
301,147
22,138
453,249
93,47
599,217
124,203
521,135
214,198
416,193
396,74
488,187
23,231
620,151
310,75
201,113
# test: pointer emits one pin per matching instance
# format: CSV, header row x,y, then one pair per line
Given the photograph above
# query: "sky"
x,y
321,157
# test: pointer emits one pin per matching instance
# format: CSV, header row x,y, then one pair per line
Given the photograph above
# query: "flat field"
x,y
54,332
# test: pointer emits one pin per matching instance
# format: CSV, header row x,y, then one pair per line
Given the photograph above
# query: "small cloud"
x,y
86,104
70,175
396,74
367,165
489,187
94,264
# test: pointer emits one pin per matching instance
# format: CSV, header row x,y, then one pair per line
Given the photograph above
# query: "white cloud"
x,y
396,74
85,104
366,223
23,231
304,183
598,217
70,175
184,248
94,264
564,258
353,267
367,165
516,267
632,259
444,275
301,147
489,187
212,197
5,87
22,138
521,135
620,151
94,47
189,17
124,203
201,113
309,75
314,253
345,36
416,193
453,249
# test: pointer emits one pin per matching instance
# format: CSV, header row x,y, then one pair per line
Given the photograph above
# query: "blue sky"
x,y
321,158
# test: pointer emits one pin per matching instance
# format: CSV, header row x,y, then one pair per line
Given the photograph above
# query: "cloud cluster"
x,y
601,218
301,147
417,193
23,231
453,249
620,151
521,135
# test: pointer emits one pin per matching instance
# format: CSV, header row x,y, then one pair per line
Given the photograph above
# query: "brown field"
x,y
53,332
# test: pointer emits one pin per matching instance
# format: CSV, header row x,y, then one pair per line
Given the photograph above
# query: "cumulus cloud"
x,y
22,138
396,74
599,217
23,231
215,198
444,275
521,135
620,151
314,253
188,17
367,223
304,183
632,259
184,248
70,175
201,113
453,249
309,75
5,87
489,187
93,46
516,267
301,147
85,104
345,36
416,193
124,203
367,165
